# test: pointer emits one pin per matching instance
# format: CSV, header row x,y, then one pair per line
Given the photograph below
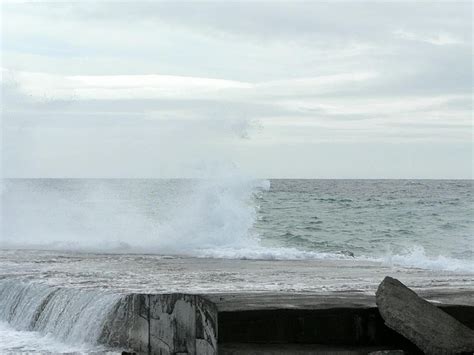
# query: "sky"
x,y
275,89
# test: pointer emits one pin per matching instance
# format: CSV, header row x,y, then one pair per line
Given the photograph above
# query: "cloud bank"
x,y
145,89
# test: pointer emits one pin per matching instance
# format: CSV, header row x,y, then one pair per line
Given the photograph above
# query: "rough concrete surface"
x,y
164,324
261,323
246,301
431,329
295,349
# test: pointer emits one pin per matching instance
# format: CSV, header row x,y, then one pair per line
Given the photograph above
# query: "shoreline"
x,y
153,273
218,303
232,323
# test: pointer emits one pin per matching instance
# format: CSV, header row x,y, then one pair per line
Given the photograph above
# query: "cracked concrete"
x,y
164,324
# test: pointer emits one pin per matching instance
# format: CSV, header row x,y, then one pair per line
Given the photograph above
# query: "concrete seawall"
x,y
163,324
221,323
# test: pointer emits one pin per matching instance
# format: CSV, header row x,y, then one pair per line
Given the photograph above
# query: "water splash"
x,y
217,213
178,217
217,216
71,316
416,257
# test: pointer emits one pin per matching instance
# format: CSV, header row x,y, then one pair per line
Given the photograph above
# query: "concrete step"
x,y
301,349
259,324
340,321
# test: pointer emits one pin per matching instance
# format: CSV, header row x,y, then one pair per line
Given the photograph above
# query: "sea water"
x,y
215,235
419,223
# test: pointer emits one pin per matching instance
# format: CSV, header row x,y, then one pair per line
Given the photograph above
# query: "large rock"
x,y
428,327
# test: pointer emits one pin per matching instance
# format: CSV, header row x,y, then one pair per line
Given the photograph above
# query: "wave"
x,y
64,318
183,216
257,252
14,342
209,217
415,257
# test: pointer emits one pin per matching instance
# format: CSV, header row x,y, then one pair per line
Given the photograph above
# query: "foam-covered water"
x,y
40,318
420,224
23,342
58,301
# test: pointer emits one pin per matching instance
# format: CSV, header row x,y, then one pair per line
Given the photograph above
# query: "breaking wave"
x,y
416,257
208,217
180,218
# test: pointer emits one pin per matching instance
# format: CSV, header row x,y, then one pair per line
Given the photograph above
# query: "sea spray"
x,y
178,217
227,215
217,213
416,257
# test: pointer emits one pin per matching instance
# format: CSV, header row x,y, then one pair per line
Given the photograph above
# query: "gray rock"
x,y
428,327
387,352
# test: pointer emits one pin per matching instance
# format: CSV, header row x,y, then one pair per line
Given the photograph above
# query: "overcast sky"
x,y
278,89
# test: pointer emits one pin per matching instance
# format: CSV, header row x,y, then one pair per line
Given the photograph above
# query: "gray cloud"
x,y
296,74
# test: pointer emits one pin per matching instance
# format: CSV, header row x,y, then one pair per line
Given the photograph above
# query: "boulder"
x,y
425,325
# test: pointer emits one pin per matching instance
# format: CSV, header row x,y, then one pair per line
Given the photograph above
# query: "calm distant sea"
x,y
370,217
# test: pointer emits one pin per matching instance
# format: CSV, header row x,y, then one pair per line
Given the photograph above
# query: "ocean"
x,y
81,243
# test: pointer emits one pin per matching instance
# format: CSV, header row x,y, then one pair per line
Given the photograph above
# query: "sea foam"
x,y
213,216
416,257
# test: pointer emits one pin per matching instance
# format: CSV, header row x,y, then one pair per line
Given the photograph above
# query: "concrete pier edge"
x,y
179,323
173,323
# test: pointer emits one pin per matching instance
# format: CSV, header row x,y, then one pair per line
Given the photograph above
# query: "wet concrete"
x,y
163,324
337,323
301,349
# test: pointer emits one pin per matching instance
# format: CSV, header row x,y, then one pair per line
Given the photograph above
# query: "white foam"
x,y
205,213
14,341
217,213
416,257
257,252
210,217
59,319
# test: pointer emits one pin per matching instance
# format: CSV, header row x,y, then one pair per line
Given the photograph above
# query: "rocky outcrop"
x,y
428,327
